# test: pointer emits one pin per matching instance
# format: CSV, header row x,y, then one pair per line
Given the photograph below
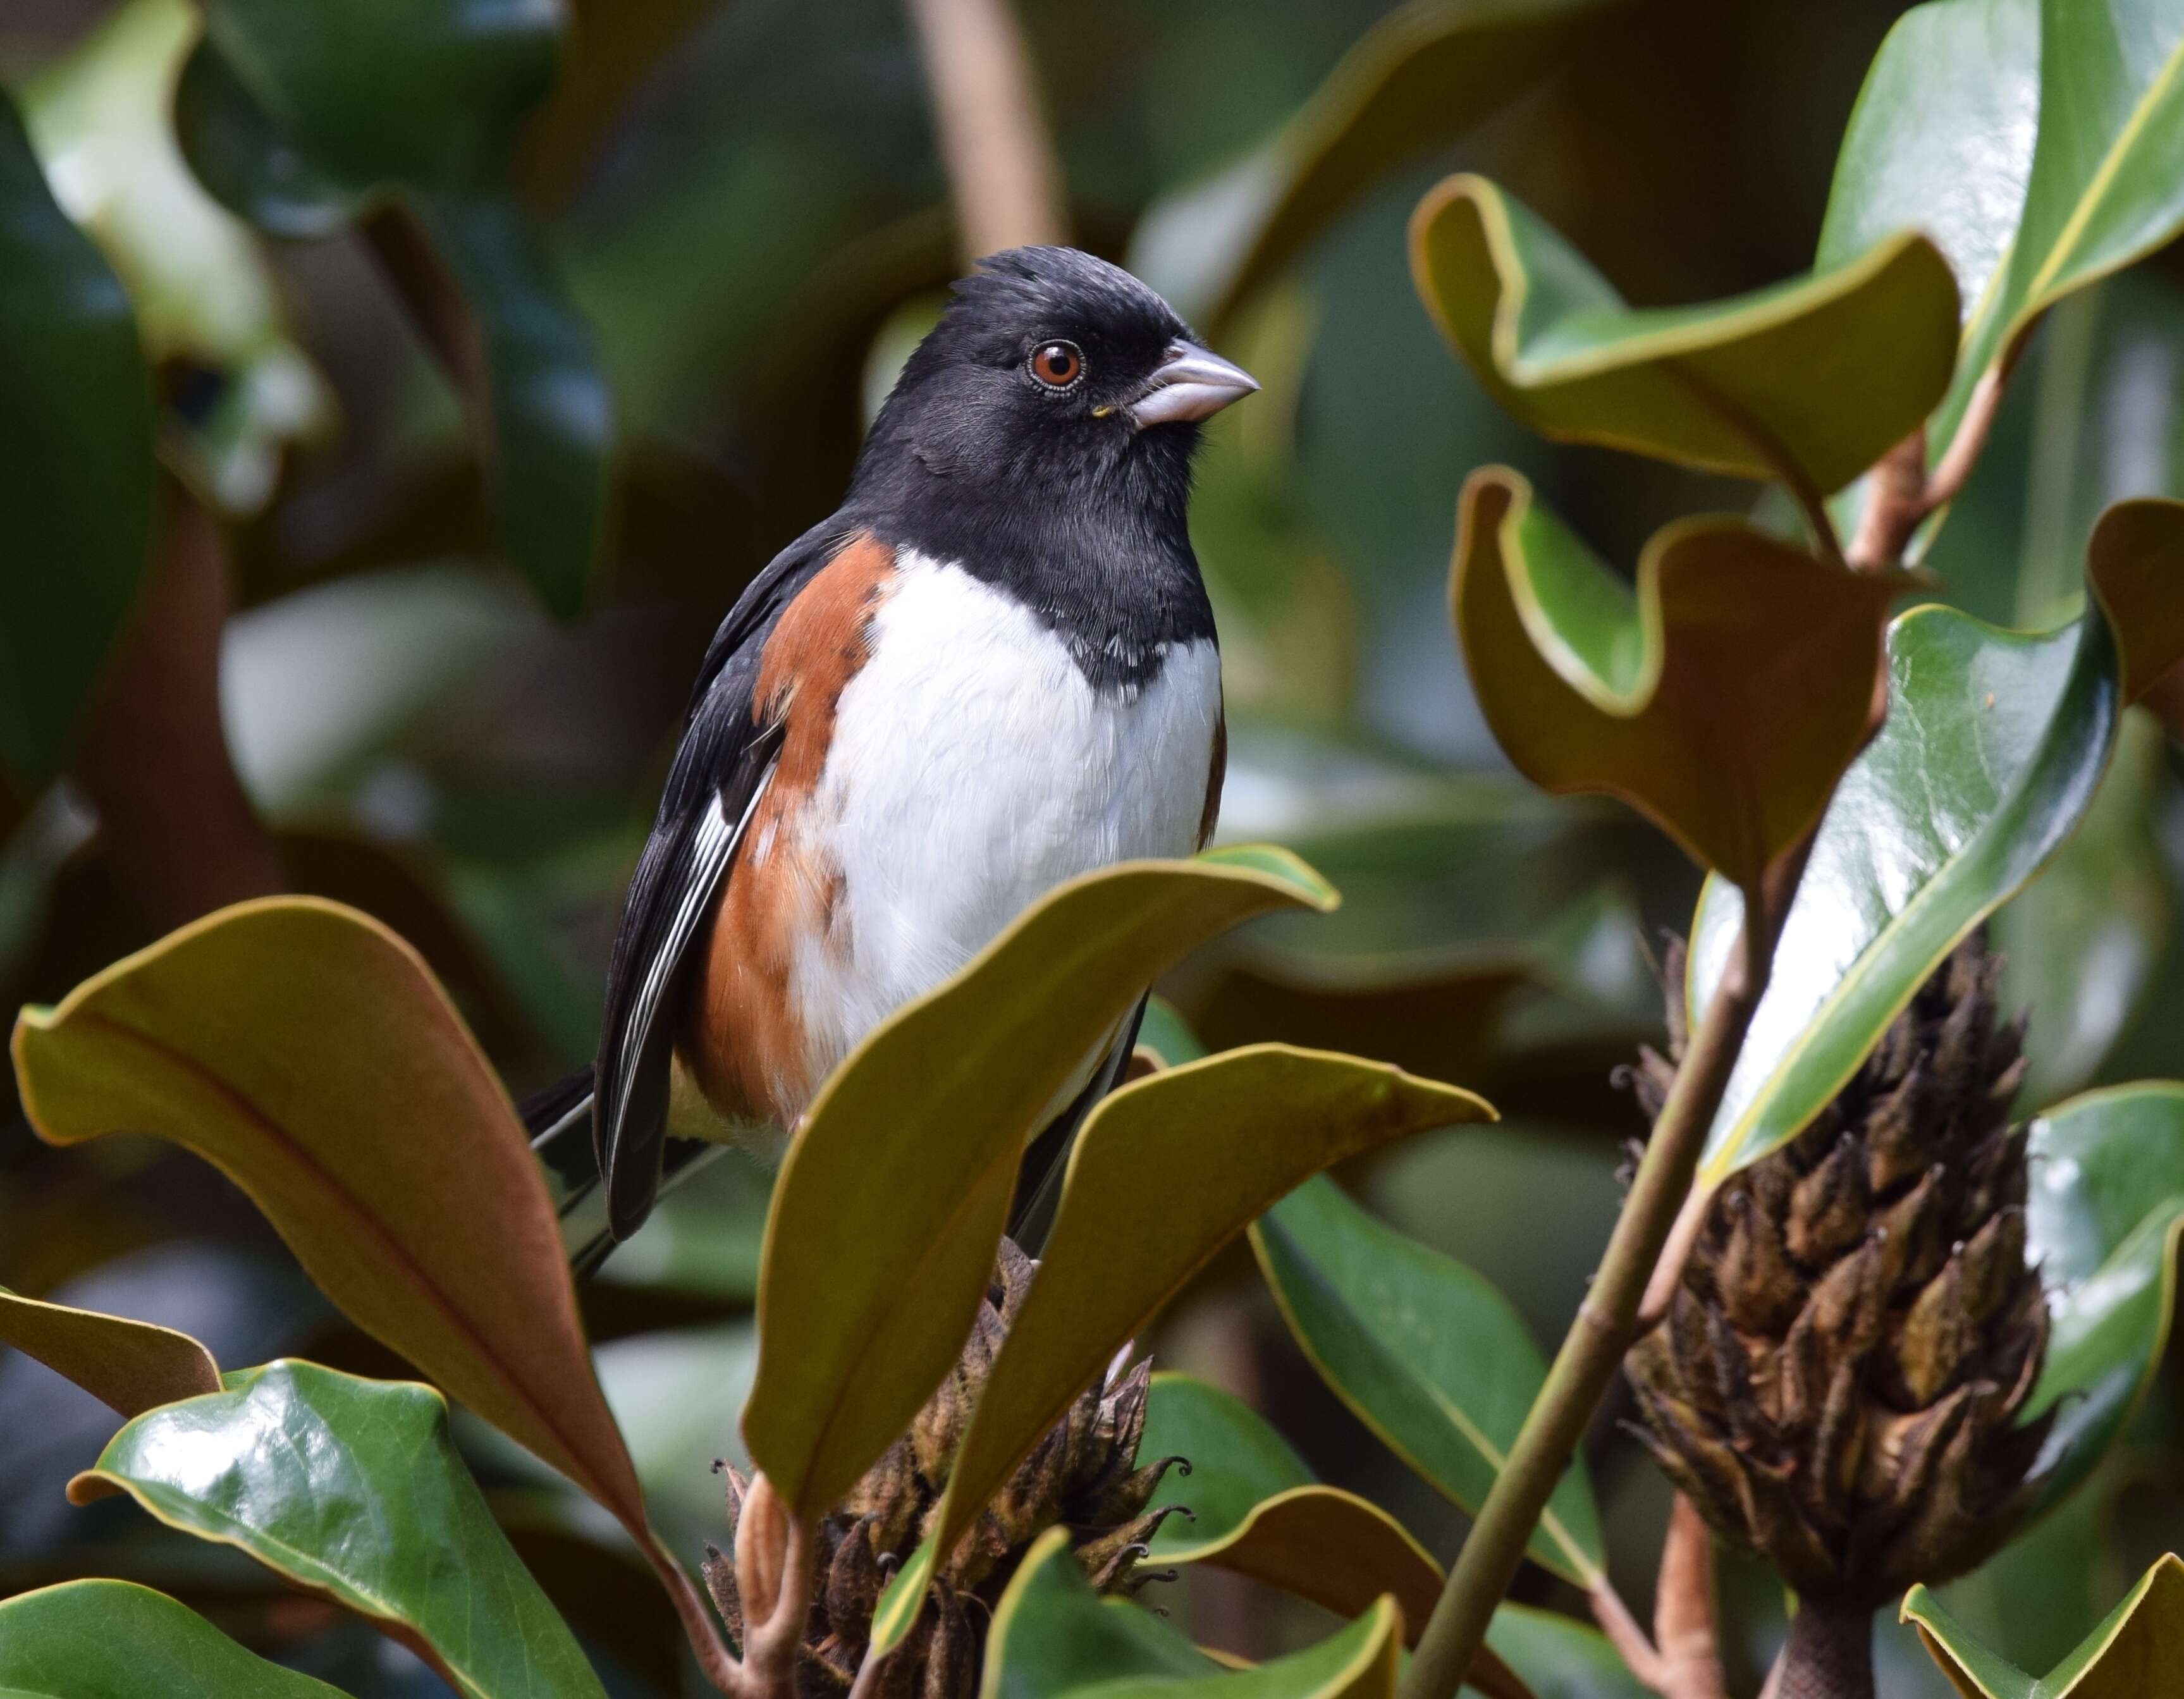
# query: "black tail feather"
x,y
559,1120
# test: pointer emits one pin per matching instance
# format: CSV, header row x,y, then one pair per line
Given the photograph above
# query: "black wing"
x,y
720,772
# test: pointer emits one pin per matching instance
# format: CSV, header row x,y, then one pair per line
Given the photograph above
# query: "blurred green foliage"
x,y
746,210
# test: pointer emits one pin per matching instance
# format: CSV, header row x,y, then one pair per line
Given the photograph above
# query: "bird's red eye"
x,y
1057,364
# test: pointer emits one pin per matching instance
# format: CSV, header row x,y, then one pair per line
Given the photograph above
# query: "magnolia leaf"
x,y
1254,1508
1940,139
1672,696
2134,563
2134,1653
1994,746
2102,1224
77,478
2103,189
419,102
353,1488
114,1640
129,1366
1053,1635
1423,74
1234,1458
307,1053
206,301
2080,946
1809,382
1428,1355
890,1205
1227,1137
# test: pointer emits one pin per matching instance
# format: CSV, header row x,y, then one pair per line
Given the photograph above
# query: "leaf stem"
x,y
1904,494
1607,1321
715,1661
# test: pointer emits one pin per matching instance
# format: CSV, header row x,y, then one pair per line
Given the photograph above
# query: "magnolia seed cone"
x,y
1838,1381
1083,1475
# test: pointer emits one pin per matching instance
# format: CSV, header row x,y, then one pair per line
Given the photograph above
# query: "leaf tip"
x,y
91,1485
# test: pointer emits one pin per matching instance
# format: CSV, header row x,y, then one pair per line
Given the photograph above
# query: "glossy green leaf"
x,y
205,294
1422,74
114,1640
1940,139
1254,1509
2103,1222
1227,1136
2081,946
129,1366
420,102
353,1488
890,1208
1236,1459
2103,189
1670,698
77,478
300,1047
2134,1653
1053,1635
1428,1356
1809,382
1993,747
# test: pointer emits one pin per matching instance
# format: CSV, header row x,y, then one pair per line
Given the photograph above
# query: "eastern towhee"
x,y
992,668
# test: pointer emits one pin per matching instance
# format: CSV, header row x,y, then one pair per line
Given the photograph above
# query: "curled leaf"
x,y
2134,563
1809,382
1676,697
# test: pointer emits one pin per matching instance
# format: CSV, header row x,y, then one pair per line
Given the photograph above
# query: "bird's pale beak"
x,y
1190,383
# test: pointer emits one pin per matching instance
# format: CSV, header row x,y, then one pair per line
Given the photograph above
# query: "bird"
x,y
992,668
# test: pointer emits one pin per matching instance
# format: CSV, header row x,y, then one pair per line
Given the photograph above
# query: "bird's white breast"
x,y
973,768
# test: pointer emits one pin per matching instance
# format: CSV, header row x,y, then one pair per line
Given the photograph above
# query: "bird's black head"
x,y
1056,389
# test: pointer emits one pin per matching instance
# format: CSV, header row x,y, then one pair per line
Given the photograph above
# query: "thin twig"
x,y
1949,478
1896,503
1904,494
1607,1324
993,132
1684,1626
1626,1635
